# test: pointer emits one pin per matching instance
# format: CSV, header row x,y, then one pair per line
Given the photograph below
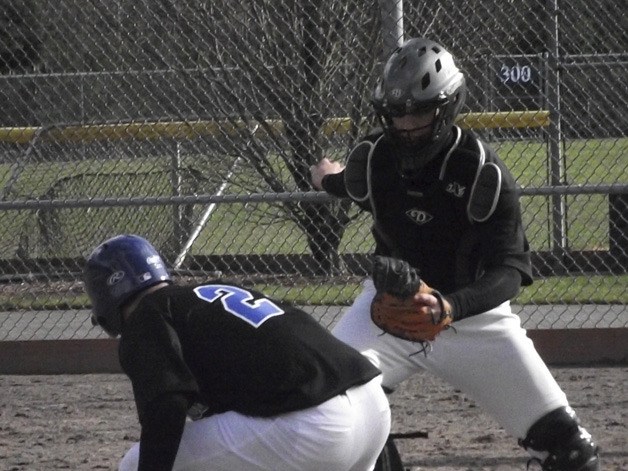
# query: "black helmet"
x,y
115,271
419,76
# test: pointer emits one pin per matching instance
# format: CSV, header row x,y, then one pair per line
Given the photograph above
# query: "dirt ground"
x,y
86,422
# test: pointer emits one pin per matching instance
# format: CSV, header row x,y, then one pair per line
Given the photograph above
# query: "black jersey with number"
x,y
426,221
232,349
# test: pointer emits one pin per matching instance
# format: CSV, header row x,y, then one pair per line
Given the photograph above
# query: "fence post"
x,y
555,165
176,182
391,14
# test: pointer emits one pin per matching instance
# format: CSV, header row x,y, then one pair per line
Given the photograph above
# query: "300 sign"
x,y
515,74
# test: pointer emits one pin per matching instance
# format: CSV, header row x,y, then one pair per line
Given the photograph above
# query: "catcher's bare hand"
x,y
322,168
430,301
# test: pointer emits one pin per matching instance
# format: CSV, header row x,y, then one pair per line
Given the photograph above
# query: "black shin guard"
x,y
559,443
389,459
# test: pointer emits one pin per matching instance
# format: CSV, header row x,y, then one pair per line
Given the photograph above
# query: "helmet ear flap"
x,y
447,114
104,323
459,98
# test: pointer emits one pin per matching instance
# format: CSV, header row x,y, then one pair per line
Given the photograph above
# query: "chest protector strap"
x,y
357,176
358,171
485,183
484,193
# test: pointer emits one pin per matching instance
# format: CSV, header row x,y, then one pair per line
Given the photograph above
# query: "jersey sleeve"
x,y
503,238
162,429
151,356
496,285
334,184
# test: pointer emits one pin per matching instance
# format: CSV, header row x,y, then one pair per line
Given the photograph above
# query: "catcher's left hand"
x,y
404,305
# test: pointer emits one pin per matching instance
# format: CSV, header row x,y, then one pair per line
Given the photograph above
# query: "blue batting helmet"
x,y
116,270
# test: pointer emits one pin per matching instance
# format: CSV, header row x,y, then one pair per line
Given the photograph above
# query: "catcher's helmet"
x,y
420,76
115,271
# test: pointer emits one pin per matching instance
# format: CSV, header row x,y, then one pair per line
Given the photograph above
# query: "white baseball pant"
x,y
345,433
489,357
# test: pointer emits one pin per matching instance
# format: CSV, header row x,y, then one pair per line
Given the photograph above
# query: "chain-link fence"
x,y
194,124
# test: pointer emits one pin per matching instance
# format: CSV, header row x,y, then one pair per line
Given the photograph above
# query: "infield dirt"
x,y
87,422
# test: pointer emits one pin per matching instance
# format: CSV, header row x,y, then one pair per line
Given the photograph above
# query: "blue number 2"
x,y
240,303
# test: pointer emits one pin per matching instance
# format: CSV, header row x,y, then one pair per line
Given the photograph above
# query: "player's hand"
x,y
430,302
322,168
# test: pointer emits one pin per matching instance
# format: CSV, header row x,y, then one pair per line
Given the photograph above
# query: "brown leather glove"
x,y
395,309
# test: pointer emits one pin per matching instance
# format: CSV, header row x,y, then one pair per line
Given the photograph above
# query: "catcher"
x,y
443,203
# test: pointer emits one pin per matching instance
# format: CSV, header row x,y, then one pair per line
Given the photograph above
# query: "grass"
x,y
576,290
553,290
263,229
592,161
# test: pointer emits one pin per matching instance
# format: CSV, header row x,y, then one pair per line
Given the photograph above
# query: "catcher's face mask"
x,y
413,129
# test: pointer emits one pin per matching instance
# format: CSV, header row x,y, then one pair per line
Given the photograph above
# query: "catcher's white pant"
x,y
345,433
489,357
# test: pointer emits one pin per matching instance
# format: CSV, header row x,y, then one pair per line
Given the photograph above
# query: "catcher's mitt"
x,y
394,309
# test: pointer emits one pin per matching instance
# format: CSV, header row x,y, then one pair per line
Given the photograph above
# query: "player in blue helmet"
x,y
268,387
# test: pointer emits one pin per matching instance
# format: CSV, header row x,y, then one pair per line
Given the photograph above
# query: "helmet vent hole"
x,y
438,65
425,81
436,49
422,51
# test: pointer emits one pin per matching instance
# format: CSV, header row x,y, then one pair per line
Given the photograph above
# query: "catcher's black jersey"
x,y
233,349
426,222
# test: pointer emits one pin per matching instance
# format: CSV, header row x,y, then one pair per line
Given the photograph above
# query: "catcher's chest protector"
x,y
467,175
466,190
